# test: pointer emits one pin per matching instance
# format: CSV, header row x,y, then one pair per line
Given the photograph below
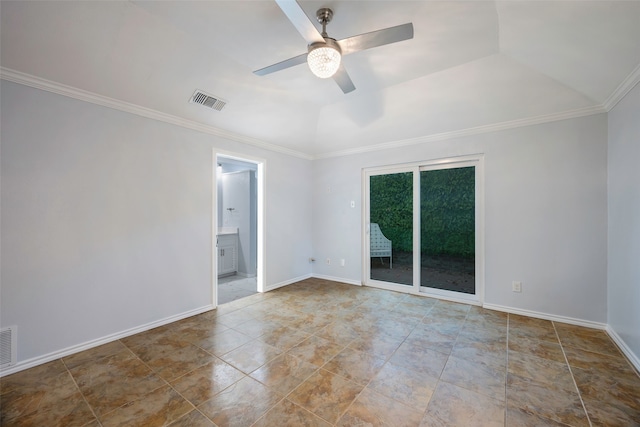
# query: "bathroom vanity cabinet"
x,y
227,253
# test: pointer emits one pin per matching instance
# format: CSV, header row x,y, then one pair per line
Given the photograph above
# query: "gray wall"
x,y
545,213
107,219
624,220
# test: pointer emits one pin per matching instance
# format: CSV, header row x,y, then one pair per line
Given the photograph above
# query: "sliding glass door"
x,y
391,228
447,229
423,228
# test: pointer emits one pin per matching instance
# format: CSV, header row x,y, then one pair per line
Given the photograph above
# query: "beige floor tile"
x,y
93,354
193,419
160,407
284,373
224,342
257,328
483,378
288,414
538,398
162,334
433,339
170,360
354,365
316,350
454,406
198,328
240,404
593,340
373,409
157,349
447,362
339,332
236,318
203,383
490,352
326,394
114,381
51,399
543,349
420,359
610,394
553,374
380,346
529,327
598,362
251,356
404,385
38,378
611,413
284,338
517,417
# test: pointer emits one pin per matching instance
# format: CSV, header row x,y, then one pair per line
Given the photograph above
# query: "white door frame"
x,y
261,261
476,161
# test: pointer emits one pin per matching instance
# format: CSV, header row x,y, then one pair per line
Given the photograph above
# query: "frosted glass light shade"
x,y
324,61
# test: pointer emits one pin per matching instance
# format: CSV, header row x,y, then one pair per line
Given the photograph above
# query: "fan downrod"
x,y
324,16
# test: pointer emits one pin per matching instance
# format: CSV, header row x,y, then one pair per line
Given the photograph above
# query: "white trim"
x,y
35,361
287,282
495,127
94,98
621,91
635,361
547,316
83,95
337,279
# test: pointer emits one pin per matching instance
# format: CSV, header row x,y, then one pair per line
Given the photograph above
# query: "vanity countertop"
x,y
227,230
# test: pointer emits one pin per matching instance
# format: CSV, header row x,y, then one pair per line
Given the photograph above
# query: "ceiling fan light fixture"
x,y
324,58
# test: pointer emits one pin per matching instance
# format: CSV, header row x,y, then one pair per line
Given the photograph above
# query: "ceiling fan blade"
x,y
344,81
299,19
376,38
287,63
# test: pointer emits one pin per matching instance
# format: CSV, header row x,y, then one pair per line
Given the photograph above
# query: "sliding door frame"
x,y
476,161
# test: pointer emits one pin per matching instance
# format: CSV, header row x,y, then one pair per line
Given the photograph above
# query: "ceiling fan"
x,y
325,53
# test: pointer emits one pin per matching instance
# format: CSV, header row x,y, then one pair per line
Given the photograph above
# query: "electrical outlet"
x,y
342,262
516,286
328,261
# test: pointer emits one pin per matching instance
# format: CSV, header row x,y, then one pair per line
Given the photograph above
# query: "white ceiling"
x,y
470,64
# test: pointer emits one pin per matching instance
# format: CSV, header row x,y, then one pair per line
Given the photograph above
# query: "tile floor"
x,y
320,353
231,288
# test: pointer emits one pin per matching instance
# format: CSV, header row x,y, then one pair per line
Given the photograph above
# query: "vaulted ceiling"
x,y
470,64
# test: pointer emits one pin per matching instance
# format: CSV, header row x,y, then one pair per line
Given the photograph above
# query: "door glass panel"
x,y
391,229
447,229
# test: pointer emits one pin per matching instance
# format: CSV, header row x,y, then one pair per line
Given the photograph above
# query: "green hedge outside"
x,y
447,210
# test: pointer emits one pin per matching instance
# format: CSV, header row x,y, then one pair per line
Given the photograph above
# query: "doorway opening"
x,y
424,228
238,228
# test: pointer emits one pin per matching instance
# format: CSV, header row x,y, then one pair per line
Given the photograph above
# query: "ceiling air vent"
x,y
199,97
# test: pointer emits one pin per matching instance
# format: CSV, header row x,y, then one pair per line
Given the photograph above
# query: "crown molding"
x,y
94,98
496,127
82,95
627,84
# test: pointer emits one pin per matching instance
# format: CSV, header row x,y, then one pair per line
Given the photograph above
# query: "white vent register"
x,y
209,101
8,346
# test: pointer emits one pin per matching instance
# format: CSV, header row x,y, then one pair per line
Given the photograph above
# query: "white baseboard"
x,y
337,279
546,316
286,282
633,358
35,361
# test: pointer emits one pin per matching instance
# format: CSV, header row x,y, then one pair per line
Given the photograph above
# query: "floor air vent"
x,y
199,97
8,346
